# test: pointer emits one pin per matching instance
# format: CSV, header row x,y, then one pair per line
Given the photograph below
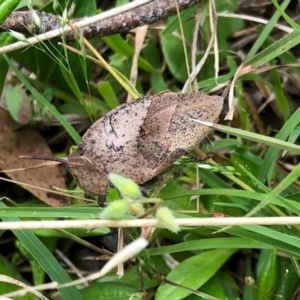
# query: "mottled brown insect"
x,y
141,139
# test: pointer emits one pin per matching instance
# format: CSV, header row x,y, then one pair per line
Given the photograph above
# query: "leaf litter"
x,y
16,141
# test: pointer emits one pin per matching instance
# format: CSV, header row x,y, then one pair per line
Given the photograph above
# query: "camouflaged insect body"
x,y
140,139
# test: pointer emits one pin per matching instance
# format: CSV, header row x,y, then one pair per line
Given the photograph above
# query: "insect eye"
x,y
88,163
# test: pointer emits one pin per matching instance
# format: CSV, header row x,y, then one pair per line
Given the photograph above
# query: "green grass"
x,y
254,171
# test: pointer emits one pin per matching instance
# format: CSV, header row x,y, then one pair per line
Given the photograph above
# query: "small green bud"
x,y
127,187
64,18
166,218
71,10
136,209
37,20
116,210
249,280
19,36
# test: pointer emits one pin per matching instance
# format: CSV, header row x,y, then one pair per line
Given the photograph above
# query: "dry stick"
x,y
70,264
84,243
117,20
65,29
43,189
120,271
199,66
196,46
26,289
213,28
140,35
183,42
196,43
184,222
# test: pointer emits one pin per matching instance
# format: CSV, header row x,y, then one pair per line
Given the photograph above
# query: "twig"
x,y
26,289
196,42
149,223
200,64
117,20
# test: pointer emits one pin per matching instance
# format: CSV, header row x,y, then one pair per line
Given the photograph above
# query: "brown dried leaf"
x,y
139,43
14,142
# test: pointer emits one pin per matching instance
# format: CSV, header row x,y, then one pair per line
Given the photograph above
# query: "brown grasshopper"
x,y
140,139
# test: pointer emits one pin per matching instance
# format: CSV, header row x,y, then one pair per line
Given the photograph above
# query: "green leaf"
x,y
84,8
275,142
213,288
111,290
172,47
270,159
51,212
174,188
56,66
226,27
6,268
79,232
6,7
280,98
280,241
5,39
249,291
109,95
38,273
289,280
265,33
275,193
173,24
41,99
286,17
211,243
193,273
118,45
46,260
229,284
276,49
268,275
18,104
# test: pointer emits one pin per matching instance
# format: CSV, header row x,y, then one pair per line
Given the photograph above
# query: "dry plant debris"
x,y
16,141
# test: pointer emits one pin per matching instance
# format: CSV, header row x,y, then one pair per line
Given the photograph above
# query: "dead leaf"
x,y
140,35
16,141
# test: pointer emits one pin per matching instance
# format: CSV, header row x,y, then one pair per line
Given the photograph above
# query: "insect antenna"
x,y
41,157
